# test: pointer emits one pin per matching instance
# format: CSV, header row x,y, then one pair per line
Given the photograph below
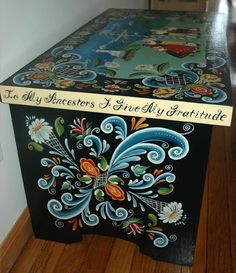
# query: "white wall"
x,y
27,29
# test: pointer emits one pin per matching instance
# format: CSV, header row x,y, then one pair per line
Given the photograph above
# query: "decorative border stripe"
x,y
119,105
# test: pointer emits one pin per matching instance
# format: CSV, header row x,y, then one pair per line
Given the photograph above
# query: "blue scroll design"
x,y
94,188
139,143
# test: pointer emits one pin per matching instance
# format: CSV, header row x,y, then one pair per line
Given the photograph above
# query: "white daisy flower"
x,y
171,213
39,130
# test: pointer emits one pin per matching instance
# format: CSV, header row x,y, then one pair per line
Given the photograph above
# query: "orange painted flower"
x,y
114,191
142,91
199,89
38,76
89,167
111,88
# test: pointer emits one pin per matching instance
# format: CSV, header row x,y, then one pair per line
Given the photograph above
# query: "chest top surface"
x,y
142,60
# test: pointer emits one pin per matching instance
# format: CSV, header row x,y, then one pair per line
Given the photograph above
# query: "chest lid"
x,y
161,65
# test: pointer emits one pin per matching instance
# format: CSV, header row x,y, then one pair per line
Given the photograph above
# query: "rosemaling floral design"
x,y
111,183
178,64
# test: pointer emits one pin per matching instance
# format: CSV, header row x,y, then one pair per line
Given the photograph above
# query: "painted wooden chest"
x,y
113,128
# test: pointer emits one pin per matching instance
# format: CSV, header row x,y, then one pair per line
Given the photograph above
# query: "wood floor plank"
x,y
97,255
51,262
218,242
121,257
73,256
230,137
29,255
162,267
187,269
230,143
48,257
142,263
15,241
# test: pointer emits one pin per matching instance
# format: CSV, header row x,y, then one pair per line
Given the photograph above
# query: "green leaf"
x,y
79,137
185,88
85,179
96,62
162,68
88,124
153,219
166,191
58,126
97,86
88,131
141,74
99,195
35,146
66,185
125,88
103,163
116,179
130,221
107,71
138,169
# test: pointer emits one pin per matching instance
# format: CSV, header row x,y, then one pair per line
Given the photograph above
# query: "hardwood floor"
x,y
216,243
